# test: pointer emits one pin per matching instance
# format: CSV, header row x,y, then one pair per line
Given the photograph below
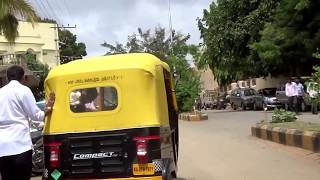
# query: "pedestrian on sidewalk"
x,y
313,91
300,95
292,93
18,105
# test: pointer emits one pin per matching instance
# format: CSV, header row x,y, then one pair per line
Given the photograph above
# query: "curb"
x,y
193,117
308,140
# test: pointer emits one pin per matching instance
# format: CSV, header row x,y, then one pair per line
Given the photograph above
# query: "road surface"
x,y
222,148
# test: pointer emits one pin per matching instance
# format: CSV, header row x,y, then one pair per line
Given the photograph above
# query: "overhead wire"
x,y
59,10
43,8
53,12
37,8
67,9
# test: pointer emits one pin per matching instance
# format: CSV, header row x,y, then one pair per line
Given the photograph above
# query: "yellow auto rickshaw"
x,y
115,117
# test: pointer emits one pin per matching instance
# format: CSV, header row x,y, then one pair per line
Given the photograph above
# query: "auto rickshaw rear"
x,y
114,117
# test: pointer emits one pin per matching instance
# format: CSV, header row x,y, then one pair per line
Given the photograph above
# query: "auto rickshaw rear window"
x,y
93,99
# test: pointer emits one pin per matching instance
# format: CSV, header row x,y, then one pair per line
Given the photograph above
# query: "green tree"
x,y
41,71
245,38
227,28
289,40
158,44
69,48
10,12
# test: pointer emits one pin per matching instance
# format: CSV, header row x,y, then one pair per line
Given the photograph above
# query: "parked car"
x,y
269,98
283,99
245,97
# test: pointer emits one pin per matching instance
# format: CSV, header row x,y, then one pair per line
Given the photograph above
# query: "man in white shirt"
x,y
292,93
300,95
17,106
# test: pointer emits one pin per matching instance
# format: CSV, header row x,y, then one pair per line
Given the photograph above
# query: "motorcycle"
x,y
37,153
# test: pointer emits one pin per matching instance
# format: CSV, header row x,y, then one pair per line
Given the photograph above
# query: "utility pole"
x,y
56,28
171,39
170,25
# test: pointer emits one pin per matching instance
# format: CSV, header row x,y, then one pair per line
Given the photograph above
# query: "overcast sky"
x,y
113,20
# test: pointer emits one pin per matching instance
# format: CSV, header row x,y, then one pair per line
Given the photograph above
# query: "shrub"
x,y
281,115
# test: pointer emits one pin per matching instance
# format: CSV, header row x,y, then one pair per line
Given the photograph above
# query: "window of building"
x,y
243,84
93,99
254,82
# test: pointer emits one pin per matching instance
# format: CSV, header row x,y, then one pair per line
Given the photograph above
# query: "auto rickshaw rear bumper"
x,y
133,178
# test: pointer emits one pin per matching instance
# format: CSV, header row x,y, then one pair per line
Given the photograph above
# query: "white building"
x,y
40,39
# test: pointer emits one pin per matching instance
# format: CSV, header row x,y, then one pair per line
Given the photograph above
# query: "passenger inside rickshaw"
x,y
93,99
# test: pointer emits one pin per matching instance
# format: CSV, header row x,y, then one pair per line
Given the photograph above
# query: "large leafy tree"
x,y
70,49
10,12
175,54
290,39
227,28
41,71
250,38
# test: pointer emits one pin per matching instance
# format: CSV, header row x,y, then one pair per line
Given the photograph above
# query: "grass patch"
x,y
304,126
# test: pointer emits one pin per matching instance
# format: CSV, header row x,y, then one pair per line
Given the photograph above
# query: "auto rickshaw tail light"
x,y
54,154
142,147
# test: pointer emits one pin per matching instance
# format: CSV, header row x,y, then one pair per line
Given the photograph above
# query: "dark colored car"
x,y
245,97
269,98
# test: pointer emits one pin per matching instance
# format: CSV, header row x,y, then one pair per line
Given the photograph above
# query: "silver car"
x,y
269,98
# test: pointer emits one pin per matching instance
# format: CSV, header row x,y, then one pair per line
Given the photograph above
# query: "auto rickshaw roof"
x,y
143,61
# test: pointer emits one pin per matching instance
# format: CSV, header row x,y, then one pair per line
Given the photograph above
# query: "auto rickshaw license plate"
x,y
143,169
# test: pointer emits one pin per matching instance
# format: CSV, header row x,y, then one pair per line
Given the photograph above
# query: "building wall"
x,y
208,81
209,85
40,39
261,83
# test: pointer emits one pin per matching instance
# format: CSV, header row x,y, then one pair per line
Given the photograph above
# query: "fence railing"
x,y
10,59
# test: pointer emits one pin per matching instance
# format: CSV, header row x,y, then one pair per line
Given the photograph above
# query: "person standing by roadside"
x,y
313,91
18,105
292,93
300,95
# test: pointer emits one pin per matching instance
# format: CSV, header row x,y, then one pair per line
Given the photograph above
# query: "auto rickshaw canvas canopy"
x,y
138,79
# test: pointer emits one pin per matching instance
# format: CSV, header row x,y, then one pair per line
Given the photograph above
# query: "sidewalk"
x,y
305,117
308,117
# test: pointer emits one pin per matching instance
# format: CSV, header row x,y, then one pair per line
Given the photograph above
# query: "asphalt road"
x,y
222,148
